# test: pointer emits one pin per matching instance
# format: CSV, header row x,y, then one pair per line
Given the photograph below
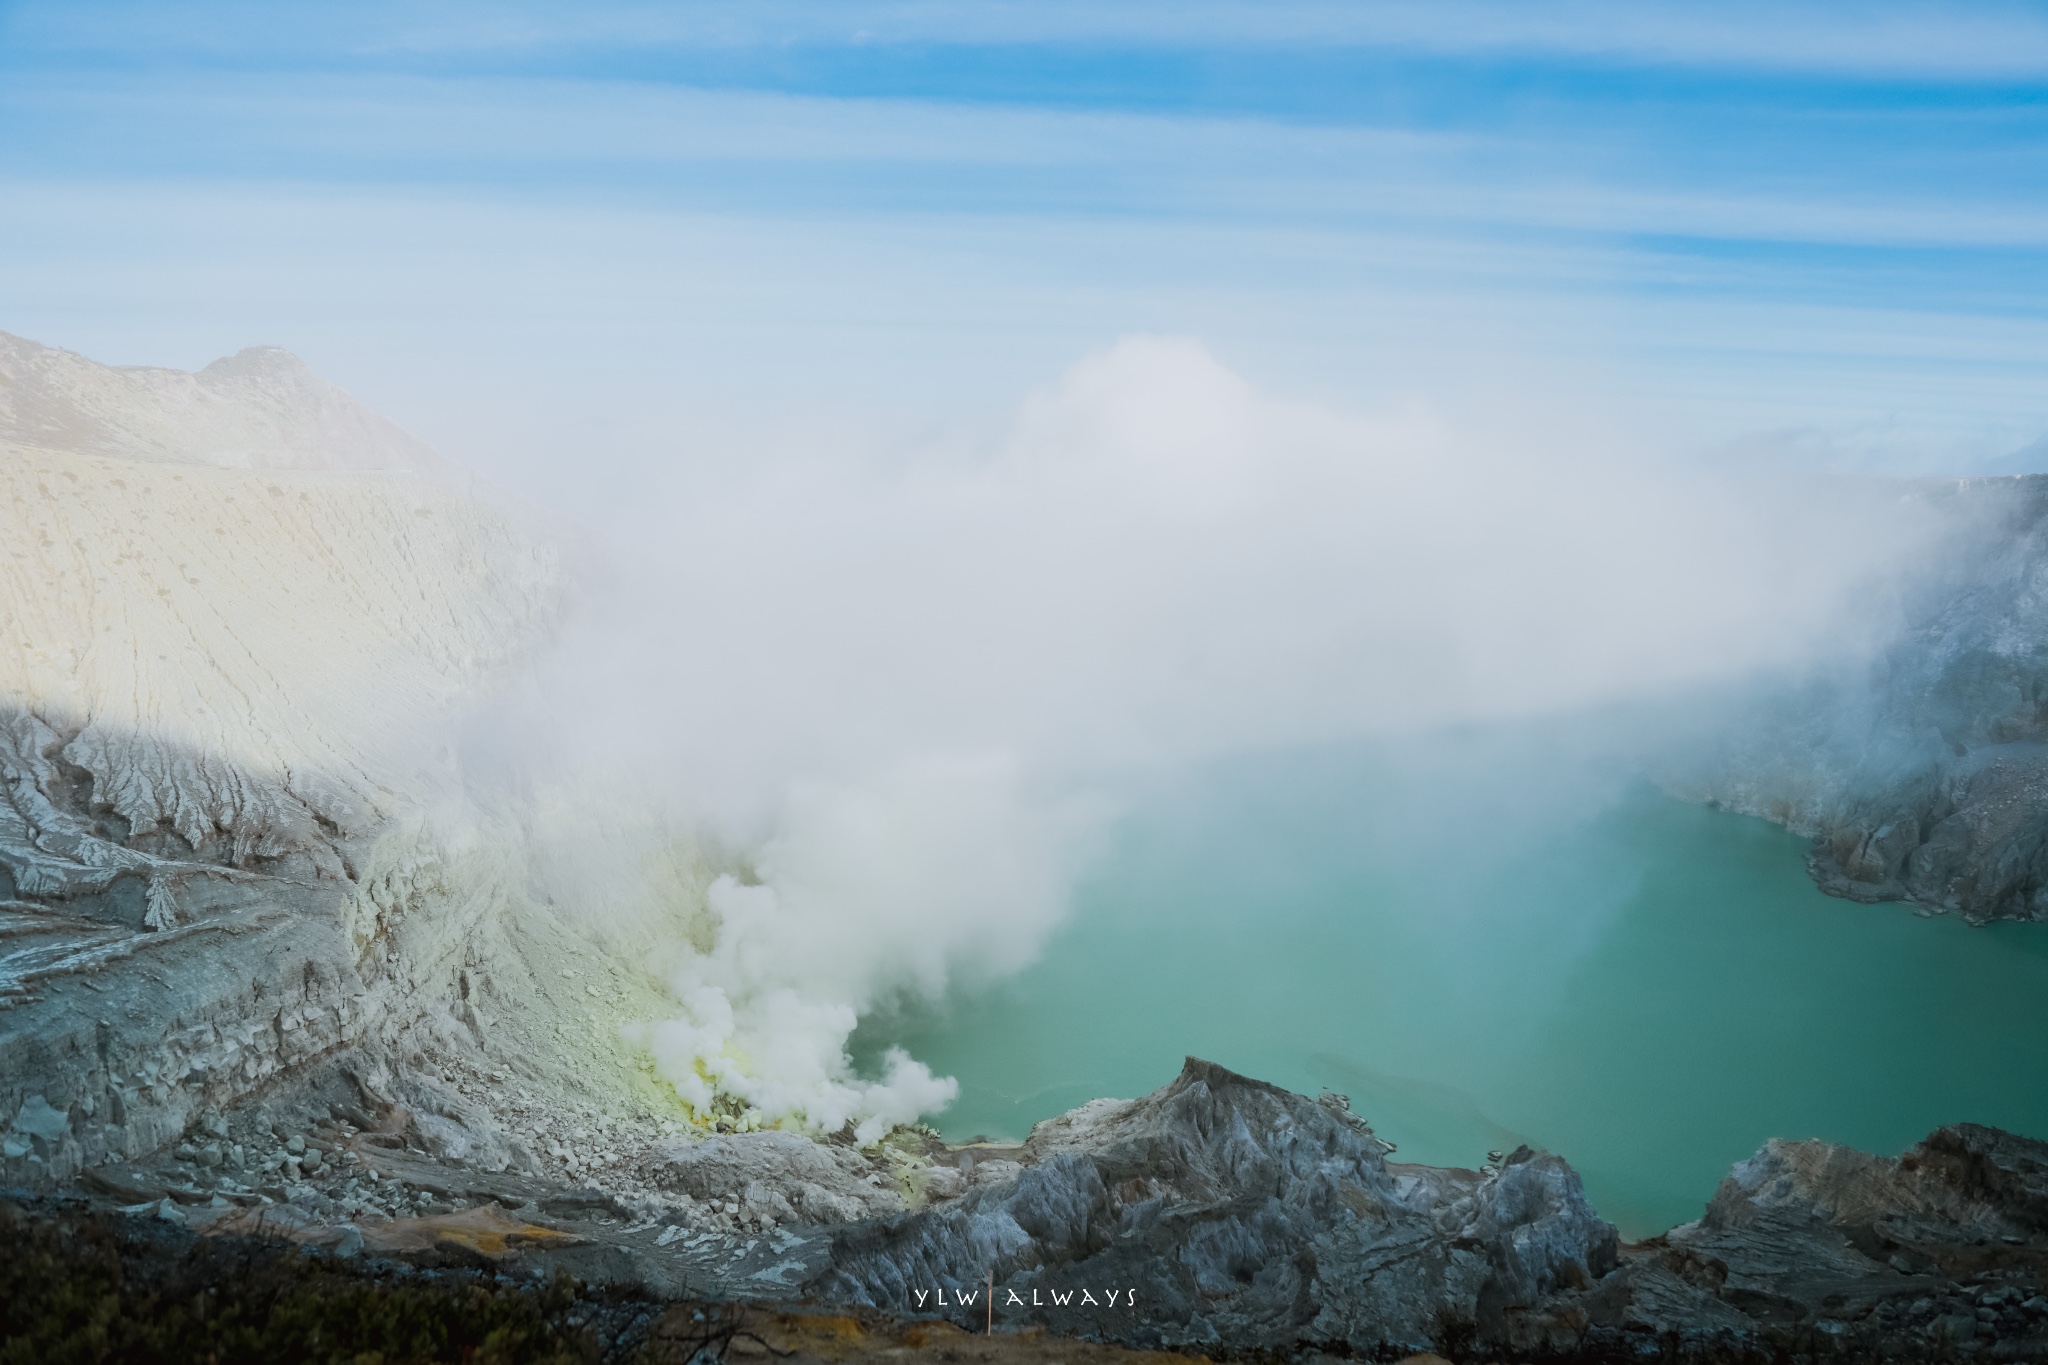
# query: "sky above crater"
x,y
1794,235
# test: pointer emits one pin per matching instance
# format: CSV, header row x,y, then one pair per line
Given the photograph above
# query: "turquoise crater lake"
x,y
1648,987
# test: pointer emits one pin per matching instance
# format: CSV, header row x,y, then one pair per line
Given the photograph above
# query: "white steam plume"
x,y
893,680
891,885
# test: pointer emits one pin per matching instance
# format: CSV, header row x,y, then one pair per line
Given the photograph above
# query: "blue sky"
x,y
1795,233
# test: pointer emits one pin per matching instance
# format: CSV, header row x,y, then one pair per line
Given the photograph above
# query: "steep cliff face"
x,y
238,619
1925,776
242,620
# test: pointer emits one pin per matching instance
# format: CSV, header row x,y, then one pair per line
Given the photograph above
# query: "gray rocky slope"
x,y
235,614
1218,1214
1922,776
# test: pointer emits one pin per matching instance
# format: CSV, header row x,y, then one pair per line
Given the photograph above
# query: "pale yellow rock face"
x,y
239,617
307,627
260,409
241,602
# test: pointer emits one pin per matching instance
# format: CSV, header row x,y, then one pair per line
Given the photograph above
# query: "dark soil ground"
x,y
80,1286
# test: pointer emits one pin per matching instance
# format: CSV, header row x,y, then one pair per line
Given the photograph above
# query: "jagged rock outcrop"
x,y
1924,776
1222,1210
1817,1248
1229,1215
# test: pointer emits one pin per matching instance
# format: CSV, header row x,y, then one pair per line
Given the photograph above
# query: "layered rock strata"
x,y
239,615
247,889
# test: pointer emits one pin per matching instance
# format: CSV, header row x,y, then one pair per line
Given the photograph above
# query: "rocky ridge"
x,y
260,409
246,893
1923,774
240,626
1218,1214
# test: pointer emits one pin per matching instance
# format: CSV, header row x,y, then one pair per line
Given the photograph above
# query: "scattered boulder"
x,y
783,1176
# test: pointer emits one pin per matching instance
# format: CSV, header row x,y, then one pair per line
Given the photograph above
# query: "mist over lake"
x,y
1584,965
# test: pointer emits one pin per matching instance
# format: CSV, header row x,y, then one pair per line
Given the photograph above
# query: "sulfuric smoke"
x,y
901,690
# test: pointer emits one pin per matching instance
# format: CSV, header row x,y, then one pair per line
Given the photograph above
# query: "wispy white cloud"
x,y
651,140
508,330
1981,40
1790,260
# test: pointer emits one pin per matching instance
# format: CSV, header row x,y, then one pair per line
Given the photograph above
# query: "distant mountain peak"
x,y
259,362
261,408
